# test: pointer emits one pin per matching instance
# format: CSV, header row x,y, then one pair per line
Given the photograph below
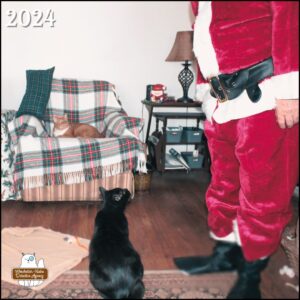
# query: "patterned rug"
x,y
159,285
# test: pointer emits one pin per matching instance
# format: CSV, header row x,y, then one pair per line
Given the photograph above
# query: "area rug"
x,y
159,285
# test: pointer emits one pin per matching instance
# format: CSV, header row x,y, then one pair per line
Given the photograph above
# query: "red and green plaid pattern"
x,y
83,101
50,161
119,124
26,125
41,159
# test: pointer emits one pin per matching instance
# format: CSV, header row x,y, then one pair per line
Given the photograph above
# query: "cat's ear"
x,y
102,192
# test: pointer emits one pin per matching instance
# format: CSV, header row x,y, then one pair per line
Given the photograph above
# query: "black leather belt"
x,y
229,86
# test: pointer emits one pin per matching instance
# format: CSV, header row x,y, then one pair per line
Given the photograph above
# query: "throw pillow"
x,y
38,88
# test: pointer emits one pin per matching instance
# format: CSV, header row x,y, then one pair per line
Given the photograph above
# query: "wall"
x,y
122,42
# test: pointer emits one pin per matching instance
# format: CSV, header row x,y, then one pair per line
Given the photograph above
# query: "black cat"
x,y
116,270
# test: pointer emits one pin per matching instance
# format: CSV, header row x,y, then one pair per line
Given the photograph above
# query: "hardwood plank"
x,y
22,216
78,226
43,213
143,235
168,221
62,214
8,214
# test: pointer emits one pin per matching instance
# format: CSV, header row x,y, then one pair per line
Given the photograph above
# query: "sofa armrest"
x,y
119,124
26,125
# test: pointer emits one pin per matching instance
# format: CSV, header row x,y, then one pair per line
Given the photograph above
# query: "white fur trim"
x,y
203,47
201,90
208,106
286,86
230,238
236,232
241,107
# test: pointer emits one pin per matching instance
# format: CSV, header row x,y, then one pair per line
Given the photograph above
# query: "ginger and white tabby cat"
x,y
63,128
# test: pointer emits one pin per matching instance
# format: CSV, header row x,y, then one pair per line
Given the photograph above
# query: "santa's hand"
x,y
287,112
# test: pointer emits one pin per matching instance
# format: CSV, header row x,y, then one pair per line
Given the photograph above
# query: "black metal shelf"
x,y
163,117
184,143
171,104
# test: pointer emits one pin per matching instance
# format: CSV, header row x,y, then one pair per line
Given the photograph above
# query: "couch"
x,y
41,167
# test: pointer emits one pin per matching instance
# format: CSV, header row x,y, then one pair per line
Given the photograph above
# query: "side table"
x,y
150,105
164,117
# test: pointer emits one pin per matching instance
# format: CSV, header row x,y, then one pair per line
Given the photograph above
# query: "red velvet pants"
x,y
254,173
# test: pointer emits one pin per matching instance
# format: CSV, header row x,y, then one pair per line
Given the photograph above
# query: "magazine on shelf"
x,y
172,163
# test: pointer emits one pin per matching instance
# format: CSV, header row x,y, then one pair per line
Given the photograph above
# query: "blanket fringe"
x,y
81,176
141,164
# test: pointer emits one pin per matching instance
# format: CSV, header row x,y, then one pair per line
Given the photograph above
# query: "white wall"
x,y
122,42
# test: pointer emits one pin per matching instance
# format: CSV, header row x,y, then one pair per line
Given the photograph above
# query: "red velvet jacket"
x,y
244,33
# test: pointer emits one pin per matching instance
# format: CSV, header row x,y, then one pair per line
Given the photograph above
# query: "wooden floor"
x,y
167,222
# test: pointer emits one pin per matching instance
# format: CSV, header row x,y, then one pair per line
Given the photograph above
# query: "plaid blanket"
x,y
48,161
41,159
83,101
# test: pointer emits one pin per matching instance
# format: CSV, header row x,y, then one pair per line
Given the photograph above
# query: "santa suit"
x,y
254,162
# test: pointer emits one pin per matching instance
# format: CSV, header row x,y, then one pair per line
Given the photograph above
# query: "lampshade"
x,y
183,47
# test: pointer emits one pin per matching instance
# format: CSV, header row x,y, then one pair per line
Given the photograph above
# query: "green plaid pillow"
x,y
37,93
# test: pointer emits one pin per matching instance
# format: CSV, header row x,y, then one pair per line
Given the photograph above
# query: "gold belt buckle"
x,y
221,100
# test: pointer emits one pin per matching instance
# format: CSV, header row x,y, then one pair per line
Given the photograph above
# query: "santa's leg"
x,y
269,170
222,200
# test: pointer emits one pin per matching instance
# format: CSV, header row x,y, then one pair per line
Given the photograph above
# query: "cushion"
x,y
37,93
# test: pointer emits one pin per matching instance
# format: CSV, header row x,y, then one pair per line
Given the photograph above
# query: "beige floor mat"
x,y
38,247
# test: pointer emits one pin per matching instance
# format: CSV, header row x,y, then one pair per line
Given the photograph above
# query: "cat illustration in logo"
x,y
29,261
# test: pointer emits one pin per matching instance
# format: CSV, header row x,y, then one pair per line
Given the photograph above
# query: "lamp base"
x,y
185,78
185,100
